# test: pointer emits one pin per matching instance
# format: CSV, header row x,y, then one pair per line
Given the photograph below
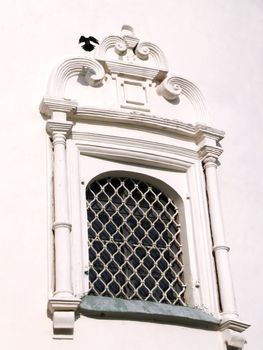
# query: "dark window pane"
x,y
134,242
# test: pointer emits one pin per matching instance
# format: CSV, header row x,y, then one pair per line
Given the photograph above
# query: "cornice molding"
x,y
205,131
144,120
134,70
235,325
74,113
56,304
134,156
49,105
134,143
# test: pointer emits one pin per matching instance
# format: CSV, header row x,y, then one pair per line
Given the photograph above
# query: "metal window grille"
x,y
134,242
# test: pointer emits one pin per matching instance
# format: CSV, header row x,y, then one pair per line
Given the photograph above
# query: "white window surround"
x,y
81,153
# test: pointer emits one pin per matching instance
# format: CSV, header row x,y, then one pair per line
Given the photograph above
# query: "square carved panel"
x,y
133,94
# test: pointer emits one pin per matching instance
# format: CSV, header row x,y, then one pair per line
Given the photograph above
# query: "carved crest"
x,y
131,74
127,55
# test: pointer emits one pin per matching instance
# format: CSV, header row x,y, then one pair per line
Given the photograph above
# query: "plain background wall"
x,y
216,44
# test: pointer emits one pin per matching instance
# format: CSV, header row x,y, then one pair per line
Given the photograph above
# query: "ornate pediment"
x,y
129,75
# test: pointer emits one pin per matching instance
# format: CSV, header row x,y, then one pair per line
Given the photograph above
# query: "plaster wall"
x,y
218,45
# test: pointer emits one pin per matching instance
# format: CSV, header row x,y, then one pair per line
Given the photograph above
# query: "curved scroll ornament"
x,y
93,70
121,47
145,50
142,51
115,41
169,89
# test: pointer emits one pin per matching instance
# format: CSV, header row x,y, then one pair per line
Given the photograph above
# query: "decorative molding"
x,y
172,87
92,69
124,55
235,325
193,93
49,105
140,119
207,132
132,57
134,143
134,157
56,304
133,94
221,247
210,161
62,225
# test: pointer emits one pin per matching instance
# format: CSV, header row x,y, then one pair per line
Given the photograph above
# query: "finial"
x,y
127,30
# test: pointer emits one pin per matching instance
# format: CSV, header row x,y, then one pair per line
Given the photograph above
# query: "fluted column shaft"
x,y
220,247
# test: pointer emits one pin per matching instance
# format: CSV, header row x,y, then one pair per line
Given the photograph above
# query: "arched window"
x,y
134,242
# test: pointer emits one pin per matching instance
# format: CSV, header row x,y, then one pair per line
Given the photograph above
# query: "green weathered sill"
x,y
95,306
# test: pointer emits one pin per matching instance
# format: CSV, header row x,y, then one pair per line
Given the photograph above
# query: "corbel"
x,y
232,333
63,314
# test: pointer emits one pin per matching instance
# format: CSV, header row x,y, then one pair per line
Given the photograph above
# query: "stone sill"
x,y
116,308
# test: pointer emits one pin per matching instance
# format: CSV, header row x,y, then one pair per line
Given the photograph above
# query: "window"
x,y
134,242
144,244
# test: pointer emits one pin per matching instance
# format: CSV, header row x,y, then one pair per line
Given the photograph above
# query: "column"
x,y
61,226
63,305
220,247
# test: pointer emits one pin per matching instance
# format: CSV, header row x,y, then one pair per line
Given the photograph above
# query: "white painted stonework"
x,y
159,99
91,137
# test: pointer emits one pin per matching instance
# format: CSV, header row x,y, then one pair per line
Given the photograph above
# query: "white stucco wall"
x,y
218,45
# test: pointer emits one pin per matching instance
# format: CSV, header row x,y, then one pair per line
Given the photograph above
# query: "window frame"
x,y
204,298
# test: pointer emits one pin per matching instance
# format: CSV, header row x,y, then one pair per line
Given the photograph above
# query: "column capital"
x,y
210,151
55,127
209,155
210,161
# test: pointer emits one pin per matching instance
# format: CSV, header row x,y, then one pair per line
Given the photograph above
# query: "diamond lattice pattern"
x,y
134,242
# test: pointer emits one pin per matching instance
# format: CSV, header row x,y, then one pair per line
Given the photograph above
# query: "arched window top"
x,y
135,249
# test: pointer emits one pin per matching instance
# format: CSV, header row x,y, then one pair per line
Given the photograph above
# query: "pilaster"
x,y
231,326
63,304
